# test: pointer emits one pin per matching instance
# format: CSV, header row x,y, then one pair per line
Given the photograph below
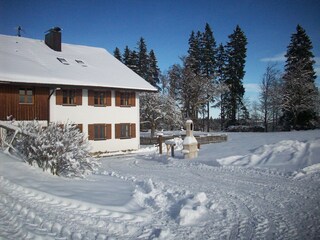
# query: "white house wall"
x,y
84,114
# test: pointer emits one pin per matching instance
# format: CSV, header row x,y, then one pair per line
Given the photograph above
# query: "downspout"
x,y
53,91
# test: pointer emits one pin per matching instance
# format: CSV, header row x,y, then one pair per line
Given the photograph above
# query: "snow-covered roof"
x,y
25,60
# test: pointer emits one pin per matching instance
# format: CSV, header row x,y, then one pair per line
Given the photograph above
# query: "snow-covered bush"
x,y
59,148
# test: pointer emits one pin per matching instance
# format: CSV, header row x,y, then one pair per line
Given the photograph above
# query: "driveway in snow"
x,y
255,186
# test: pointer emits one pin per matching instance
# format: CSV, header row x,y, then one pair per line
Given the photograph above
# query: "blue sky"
x,y
166,26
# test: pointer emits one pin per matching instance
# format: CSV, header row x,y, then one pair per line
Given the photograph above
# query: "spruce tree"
x,y
300,92
221,61
143,59
236,59
117,54
208,62
153,70
126,56
133,61
193,60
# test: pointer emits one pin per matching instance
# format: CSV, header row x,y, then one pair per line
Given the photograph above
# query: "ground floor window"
x,y
125,130
99,131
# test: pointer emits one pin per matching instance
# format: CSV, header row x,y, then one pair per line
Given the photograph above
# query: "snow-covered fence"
x,y
203,139
8,133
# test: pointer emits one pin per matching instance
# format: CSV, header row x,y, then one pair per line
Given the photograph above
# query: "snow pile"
x,y
287,155
194,210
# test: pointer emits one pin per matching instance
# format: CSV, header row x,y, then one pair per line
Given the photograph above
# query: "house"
x,y
52,81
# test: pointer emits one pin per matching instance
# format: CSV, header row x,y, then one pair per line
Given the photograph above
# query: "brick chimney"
x,y
53,39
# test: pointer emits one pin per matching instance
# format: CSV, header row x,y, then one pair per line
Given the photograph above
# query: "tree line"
x,y
211,75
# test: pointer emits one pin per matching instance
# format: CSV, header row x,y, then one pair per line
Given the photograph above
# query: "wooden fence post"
x,y
160,144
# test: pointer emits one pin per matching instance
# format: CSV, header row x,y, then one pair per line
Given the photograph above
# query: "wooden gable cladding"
x,y
76,95
11,106
125,99
106,98
106,131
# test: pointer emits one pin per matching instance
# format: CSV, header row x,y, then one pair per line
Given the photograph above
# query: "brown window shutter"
x,y
59,97
108,98
118,98
118,130
79,96
133,99
90,97
108,131
132,130
91,131
79,126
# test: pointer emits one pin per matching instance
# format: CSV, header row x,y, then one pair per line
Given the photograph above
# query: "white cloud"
x,y
276,58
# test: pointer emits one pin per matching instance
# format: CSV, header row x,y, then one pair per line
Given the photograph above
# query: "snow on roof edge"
x,y
28,61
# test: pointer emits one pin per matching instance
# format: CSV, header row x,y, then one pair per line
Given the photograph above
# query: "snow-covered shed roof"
x,y
25,60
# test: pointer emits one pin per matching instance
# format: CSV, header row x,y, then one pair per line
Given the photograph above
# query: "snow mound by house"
x,y
286,155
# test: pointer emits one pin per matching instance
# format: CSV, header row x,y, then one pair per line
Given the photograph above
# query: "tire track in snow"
x,y
256,203
28,214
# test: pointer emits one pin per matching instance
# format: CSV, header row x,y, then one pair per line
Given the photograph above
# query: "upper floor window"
x,y
99,98
68,97
26,95
125,99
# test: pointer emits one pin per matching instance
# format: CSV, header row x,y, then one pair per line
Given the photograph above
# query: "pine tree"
x,y
193,60
221,61
153,70
133,61
236,59
208,62
117,54
300,92
126,56
208,48
143,60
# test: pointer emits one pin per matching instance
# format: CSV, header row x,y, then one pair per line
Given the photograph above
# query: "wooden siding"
x,y
9,103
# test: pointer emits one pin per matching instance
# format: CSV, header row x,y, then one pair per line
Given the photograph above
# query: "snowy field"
x,y
254,186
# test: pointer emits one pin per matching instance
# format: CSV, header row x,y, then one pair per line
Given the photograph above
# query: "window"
x,y
68,97
99,98
125,131
63,61
125,99
99,131
26,95
81,63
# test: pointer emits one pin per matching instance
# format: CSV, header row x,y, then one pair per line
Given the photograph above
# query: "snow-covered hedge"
x,y
59,148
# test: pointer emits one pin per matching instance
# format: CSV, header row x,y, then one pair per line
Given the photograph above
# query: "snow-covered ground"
x,y
254,186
